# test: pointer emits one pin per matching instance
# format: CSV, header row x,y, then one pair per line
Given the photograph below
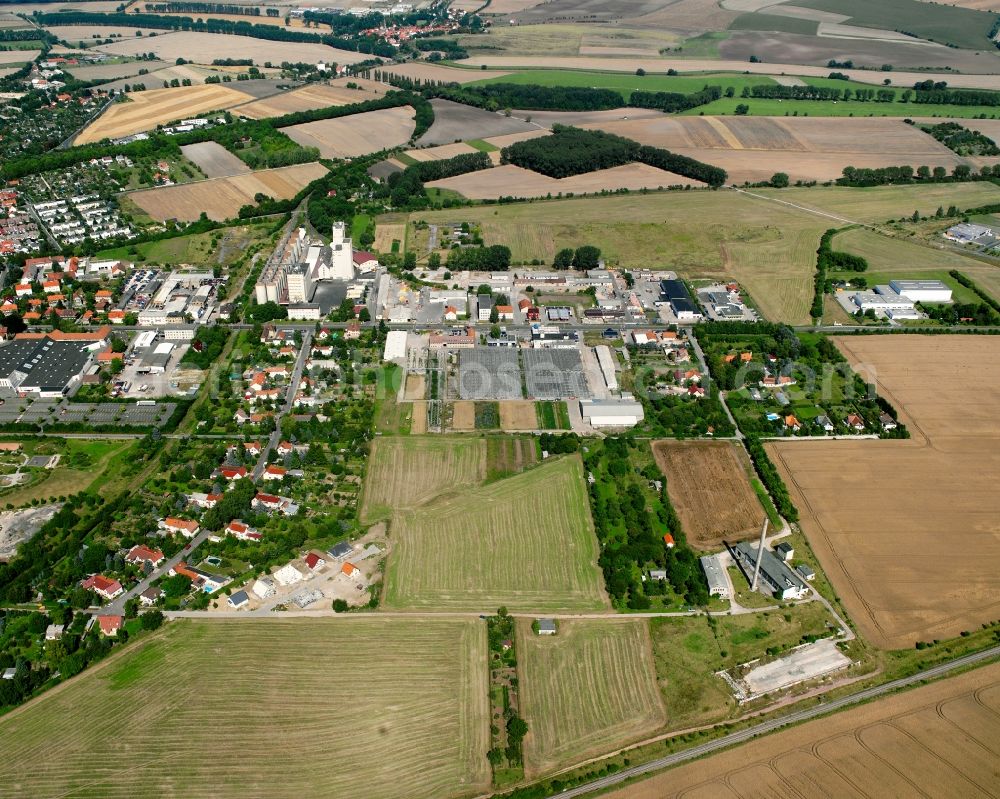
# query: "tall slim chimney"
x,y
760,554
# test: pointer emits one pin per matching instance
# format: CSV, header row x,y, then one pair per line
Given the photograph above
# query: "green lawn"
x,y
820,108
482,146
200,249
772,22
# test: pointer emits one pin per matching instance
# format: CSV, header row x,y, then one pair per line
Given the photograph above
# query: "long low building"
x,y
624,412
921,290
607,364
48,365
715,575
774,573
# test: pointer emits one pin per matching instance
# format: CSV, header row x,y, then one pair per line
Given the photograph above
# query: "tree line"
x,y
823,93
962,140
574,151
671,102
829,259
495,258
892,175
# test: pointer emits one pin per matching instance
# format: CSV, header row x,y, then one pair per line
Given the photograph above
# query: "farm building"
x,y
607,363
805,572
715,575
624,412
785,551
921,290
546,626
774,573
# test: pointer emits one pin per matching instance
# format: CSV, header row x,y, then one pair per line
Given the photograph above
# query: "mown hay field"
x,y
404,472
358,134
518,415
222,198
146,110
317,706
526,542
514,181
936,740
903,528
768,247
587,689
708,483
306,98
214,160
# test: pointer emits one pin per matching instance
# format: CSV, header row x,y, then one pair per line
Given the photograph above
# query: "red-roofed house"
x,y
274,472
349,569
140,554
668,540
110,625
252,447
51,286
243,532
284,448
352,331
233,472
116,317
365,261
22,289
186,527
102,586
314,561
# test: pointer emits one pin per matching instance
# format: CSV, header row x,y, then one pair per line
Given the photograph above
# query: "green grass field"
x,y
587,689
820,108
404,472
383,708
552,415
526,542
82,466
688,652
202,249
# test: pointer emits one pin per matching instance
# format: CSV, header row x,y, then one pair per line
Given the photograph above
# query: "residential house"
x,y
855,422
546,626
314,562
668,541
110,625
238,600
887,422
150,596
140,554
274,472
186,527
241,531
824,422
54,632
793,423
264,588
231,473
288,575
102,586
350,569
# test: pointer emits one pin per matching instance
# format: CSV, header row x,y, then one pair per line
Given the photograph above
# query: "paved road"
x,y
763,728
117,606
700,355
293,387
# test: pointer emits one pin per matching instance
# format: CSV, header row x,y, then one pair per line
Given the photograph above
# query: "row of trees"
x,y
672,102
574,151
884,176
825,93
829,259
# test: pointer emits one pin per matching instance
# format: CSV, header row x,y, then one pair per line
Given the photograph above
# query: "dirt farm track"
x,y
939,740
909,531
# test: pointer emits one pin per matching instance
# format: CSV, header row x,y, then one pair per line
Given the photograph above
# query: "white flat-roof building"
x,y
624,412
607,363
882,299
718,582
395,346
921,290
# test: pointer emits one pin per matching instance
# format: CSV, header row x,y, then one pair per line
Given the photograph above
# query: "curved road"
x,y
742,736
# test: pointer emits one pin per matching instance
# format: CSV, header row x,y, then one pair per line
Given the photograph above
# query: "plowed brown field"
x,y
938,740
906,530
709,486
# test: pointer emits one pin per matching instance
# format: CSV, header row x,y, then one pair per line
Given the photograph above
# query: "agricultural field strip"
x,y
938,739
417,729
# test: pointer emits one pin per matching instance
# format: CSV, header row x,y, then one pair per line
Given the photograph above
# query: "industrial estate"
x,y
499,399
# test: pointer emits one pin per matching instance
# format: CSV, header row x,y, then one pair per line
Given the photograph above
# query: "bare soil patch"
x,y
155,107
518,415
221,198
456,122
709,486
214,160
305,98
385,235
937,740
418,422
903,528
17,56
416,387
463,415
358,134
514,181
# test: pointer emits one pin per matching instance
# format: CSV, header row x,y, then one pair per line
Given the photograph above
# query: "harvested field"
x,y
510,138
768,247
358,134
806,148
709,486
456,122
936,740
441,152
222,198
424,71
900,579
407,472
306,98
549,118
18,56
203,48
587,689
463,416
155,107
127,70
88,33
514,181
526,542
417,726
516,415
214,160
